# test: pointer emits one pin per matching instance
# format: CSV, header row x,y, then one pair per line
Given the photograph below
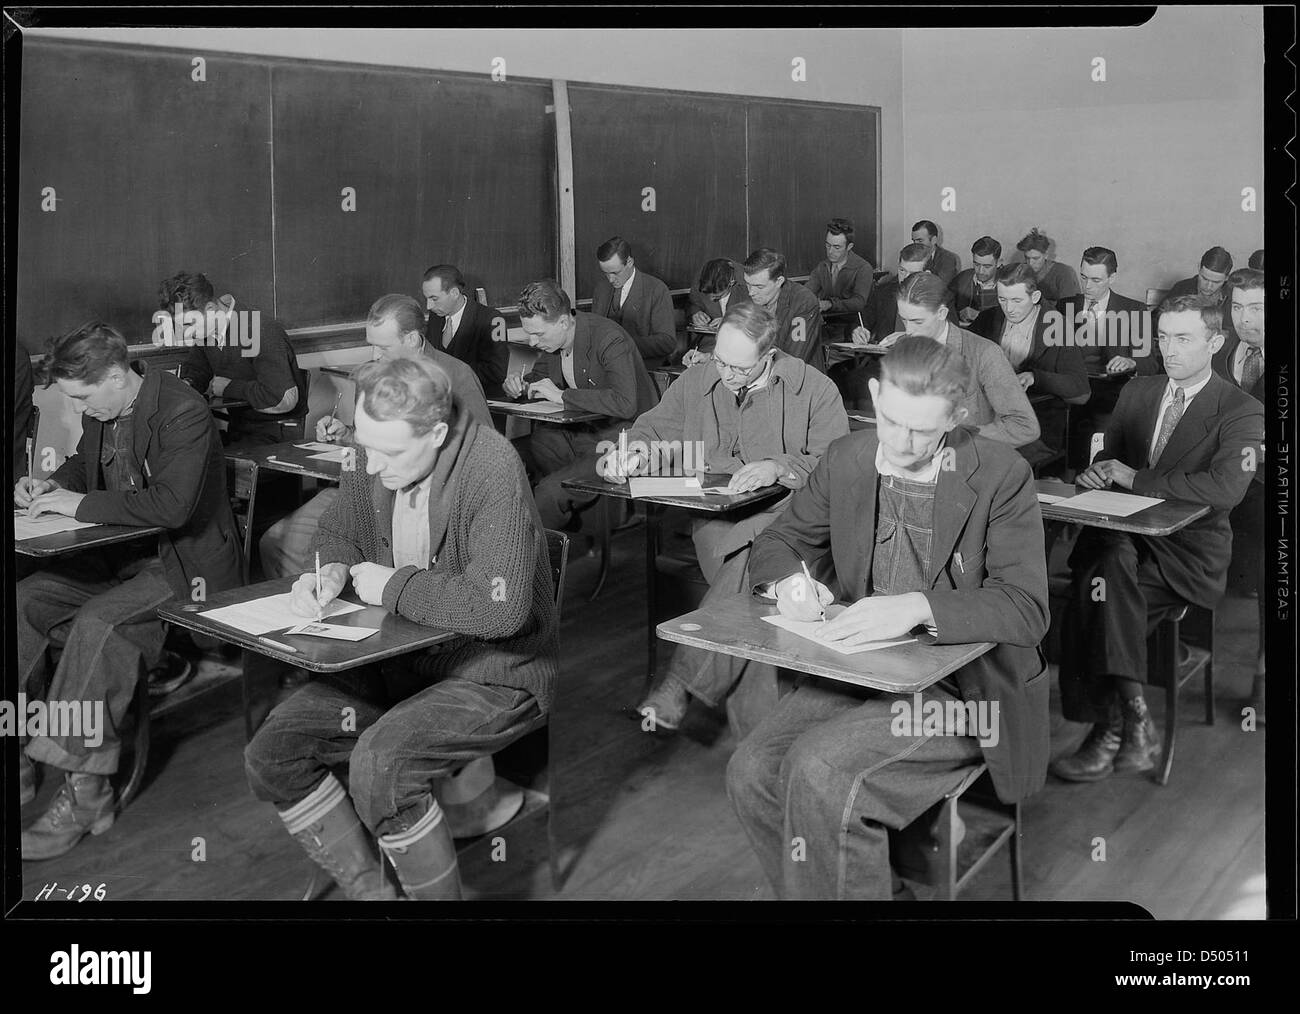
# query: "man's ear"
x,y
959,415
439,434
1037,296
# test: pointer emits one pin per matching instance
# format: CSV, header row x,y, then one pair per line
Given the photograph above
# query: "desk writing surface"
x,y
287,456
80,539
734,626
1162,519
221,404
875,350
567,417
397,635
705,505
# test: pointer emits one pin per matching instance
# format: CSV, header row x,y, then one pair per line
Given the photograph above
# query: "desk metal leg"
x,y
248,528
653,523
606,525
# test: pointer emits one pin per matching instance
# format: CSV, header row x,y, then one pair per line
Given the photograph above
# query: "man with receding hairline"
x,y
639,303
462,327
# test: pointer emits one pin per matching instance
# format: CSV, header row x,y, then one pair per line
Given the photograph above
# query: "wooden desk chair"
x,y
1155,297
990,824
1163,670
535,741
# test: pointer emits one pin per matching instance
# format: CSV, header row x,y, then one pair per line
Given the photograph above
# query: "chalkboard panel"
x,y
444,170
808,164
689,148
153,173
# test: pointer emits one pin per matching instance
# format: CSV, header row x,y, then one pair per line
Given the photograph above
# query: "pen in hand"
x,y
812,587
320,610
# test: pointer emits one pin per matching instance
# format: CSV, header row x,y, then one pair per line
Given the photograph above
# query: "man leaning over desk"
x,y
932,531
149,455
435,524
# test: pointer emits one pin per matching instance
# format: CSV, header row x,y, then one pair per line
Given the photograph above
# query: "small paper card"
x,y
664,486
537,407
1049,498
316,445
334,630
808,629
1116,505
338,454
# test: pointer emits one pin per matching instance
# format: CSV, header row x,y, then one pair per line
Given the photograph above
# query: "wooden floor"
x,y
640,818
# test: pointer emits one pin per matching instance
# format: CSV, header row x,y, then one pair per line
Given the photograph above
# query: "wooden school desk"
x,y
80,539
566,417
710,506
735,626
1157,521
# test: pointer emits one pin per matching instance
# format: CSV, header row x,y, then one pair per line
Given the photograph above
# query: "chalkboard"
x,y
152,173
689,148
807,165
444,170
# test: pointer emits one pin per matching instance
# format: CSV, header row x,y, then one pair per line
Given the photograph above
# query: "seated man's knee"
x,y
749,772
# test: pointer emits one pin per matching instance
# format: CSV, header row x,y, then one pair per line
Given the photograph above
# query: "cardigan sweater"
x,y
489,578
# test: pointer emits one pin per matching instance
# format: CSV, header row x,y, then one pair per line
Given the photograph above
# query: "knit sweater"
x,y
489,579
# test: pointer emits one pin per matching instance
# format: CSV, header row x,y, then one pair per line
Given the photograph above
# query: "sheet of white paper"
x,y
862,418
334,630
1104,501
538,407
1049,498
316,445
339,454
45,524
808,629
664,486
261,616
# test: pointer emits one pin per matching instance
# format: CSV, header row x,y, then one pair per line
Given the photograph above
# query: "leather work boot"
x,y
1095,759
83,805
327,827
425,858
665,705
1140,749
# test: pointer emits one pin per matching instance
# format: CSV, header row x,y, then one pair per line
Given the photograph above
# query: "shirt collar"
x,y
931,473
1188,392
626,287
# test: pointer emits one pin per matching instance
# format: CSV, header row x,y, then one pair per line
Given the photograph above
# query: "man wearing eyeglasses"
x,y
759,415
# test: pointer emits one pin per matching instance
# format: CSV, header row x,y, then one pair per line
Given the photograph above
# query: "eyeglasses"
x,y
737,371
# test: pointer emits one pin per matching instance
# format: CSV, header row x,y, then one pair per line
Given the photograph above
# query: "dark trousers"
x,y
553,454
100,612
394,738
821,782
1105,640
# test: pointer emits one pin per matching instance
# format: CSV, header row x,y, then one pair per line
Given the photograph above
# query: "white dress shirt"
x,y
453,322
625,289
411,525
1239,359
1188,394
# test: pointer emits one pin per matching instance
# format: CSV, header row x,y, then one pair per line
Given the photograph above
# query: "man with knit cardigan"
x,y
437,524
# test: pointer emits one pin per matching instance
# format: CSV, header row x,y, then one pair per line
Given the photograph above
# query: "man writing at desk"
x,y
929,530
149,455
766,418
435,524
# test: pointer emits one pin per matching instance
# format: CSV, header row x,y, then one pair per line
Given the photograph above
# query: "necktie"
x,y
1252,369
740,395
835,273
447,332
1172,415
616,306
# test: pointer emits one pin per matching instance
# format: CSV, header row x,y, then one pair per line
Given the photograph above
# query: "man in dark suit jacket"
x,y
149,455
239,353
1241,362
940,262
1189,436
798,317
1047,363
462,327
942,542
590,364
842,282
1210,279
638,303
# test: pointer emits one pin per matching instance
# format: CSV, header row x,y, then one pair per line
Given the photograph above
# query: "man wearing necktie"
x,y
1190,436
637,302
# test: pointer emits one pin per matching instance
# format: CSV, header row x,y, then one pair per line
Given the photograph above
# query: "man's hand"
x,y
877,618
1026,380
302,596
57,501
219,385
700,319
26,490
799,600
545,390
368,581
755,475
1121,364
967,315
513,385
825,304
607,467
1104,474
694,357
331,430
861,336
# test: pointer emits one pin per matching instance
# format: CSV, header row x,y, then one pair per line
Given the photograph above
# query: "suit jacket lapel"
x,y
953,500
634,295
147,405
862,495
1197,421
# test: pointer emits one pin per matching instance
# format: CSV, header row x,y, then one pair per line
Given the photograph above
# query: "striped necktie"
x,y
1172,415
1252,369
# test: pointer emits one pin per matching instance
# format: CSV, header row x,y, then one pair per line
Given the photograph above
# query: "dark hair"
x,y
922,366
1036,240
931,229
405,385
986,246
925,290
758,323
717,276
85,354
614,245
545,299
913,253
448,275
1100,255
406,310
765,259
1018,274
841,227
1256,260
1246,278
1208,306
1217,260
192,291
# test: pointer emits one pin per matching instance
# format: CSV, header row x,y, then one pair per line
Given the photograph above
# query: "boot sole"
x,y
1090,777
99,827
